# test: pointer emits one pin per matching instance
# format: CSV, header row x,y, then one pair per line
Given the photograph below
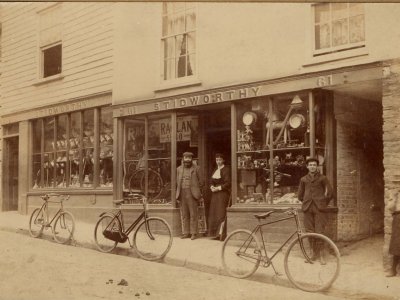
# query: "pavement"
x,y
361,275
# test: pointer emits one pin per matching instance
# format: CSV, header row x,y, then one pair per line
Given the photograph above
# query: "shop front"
x,y
66,149
266,130
265,136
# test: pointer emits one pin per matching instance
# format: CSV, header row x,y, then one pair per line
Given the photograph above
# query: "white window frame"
x,y
334,49
189,79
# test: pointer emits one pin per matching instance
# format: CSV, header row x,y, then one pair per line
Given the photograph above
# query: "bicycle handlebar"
x,y
277,172
46,197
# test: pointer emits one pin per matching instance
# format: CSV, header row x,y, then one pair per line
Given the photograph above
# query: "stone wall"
x,y
391,142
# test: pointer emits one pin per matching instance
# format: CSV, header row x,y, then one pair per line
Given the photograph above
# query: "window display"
x,y
106,147
272,146
63,150
148,170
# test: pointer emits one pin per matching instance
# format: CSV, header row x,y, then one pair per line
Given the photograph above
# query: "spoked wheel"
x,y
64,227
155,184
110,223
36,223
152,242
312,263
241,253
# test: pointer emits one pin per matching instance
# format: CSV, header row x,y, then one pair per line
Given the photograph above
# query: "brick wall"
x,y
346,181
391,142
359,167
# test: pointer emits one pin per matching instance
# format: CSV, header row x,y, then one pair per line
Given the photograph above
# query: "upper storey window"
x,y
50,41
338,27
178,40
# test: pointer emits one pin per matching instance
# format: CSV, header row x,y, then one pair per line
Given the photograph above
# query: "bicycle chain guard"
x,y
115,236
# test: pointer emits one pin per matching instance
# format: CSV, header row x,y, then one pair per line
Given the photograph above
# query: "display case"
x,y
65,146
273,140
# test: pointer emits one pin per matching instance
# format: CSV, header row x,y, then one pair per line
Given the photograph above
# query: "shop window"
x,y
178,40
75,152
273,143
64,150
106,147
148,169
338,27
61,146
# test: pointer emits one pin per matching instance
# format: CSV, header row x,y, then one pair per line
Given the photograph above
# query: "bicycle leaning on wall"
x,y
311,260
152,237
64,223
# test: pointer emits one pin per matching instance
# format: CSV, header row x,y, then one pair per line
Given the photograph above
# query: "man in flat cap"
x,y
315,193
188,193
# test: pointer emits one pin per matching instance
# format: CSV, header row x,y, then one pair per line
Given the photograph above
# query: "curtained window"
x,y
338,26
178,40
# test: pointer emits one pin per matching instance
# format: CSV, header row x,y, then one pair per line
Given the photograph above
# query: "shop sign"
x,y
186,129
190,101
60,109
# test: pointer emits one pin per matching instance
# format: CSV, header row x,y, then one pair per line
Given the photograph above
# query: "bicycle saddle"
x,y
263,216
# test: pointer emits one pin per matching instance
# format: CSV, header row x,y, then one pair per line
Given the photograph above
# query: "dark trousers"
x,y
188,212
315,220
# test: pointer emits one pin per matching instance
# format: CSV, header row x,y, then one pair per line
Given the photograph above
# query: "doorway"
x,y
10,174
217,129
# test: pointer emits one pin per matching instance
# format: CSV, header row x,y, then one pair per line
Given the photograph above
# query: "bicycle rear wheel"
x,y
241,253
152,242
312,262
155,184
64,227
110,223
36,222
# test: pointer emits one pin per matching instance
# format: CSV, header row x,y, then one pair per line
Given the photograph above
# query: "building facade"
x,y
100,100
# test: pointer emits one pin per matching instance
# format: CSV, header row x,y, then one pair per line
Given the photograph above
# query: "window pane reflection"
x,y
106,148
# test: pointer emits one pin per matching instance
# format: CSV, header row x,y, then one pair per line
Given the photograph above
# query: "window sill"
x,y
275,207
72,191
48,79
330,57
177,83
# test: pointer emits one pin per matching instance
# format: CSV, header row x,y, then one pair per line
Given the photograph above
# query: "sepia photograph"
x,y
193,150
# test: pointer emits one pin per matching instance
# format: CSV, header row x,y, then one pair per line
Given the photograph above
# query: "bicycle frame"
x,y
120,217
268,260
44,208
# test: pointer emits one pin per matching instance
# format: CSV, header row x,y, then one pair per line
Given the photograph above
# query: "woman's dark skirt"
x,y
217,212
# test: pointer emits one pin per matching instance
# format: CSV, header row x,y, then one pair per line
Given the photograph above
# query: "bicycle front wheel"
x,y
36,222
241,253
312,262
110,223
64,227
154,240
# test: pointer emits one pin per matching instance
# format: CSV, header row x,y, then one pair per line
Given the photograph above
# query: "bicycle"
x,y
135,180
242,254
64,222
152,237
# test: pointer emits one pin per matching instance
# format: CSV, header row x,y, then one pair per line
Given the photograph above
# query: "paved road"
x,y
41,269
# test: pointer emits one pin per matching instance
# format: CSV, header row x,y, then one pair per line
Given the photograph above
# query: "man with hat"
x,y
188,193
315,192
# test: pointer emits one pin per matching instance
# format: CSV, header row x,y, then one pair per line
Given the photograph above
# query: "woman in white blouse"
x,y
220,188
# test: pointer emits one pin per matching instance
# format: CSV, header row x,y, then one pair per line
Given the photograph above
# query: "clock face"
x,y
249,118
